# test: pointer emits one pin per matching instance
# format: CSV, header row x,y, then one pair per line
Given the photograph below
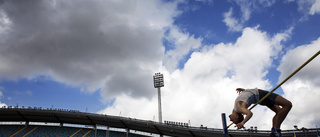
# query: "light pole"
x,y
158,83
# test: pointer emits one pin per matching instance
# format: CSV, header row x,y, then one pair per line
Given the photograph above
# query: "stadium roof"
x,y
76,117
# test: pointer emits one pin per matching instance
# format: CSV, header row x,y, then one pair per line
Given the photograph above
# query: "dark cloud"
x,y
90,44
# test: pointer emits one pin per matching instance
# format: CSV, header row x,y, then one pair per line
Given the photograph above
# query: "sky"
x,y
100,56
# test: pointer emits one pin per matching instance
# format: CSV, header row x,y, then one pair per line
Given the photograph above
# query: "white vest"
x,y
250,96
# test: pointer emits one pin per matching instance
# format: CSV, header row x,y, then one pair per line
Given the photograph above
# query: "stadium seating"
x,y
54,131
9,130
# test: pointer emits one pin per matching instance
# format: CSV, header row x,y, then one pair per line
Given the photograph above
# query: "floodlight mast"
x,y
158,83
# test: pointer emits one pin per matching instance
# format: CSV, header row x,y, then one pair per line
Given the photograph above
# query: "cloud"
x,y
3,104
182,44
205,87
315,8
1,96
89,44
307,7
302,89
246,7
29,93
294,58
206,1
4,21
232,23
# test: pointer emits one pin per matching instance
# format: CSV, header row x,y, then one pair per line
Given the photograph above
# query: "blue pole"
x,y
224,124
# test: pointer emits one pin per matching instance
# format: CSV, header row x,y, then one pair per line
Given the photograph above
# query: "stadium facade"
x,y
92,123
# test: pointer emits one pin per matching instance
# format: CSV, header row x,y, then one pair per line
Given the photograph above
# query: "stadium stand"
x,y
51,131
65,123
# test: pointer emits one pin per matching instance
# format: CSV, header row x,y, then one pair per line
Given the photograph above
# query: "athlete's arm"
x,y
245,111
248,114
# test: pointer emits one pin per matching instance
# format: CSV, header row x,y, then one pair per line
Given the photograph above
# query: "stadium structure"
x,y
33,121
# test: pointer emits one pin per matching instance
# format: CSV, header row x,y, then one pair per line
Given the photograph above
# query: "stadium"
x,y
33,121
100,55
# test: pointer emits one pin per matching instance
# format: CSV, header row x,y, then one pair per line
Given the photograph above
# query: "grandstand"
x,y
54,131
20,122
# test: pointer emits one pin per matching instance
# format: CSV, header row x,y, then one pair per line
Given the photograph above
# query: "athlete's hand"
x,y
239,90
239,126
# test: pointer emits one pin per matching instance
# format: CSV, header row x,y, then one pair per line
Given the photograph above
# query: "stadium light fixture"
x,y
158,83
158,80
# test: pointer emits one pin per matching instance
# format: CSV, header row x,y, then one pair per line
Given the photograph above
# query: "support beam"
x,y
160,133
23,116
224,124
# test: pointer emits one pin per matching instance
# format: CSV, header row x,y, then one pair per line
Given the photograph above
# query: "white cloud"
x,y
232,23
296,57
2,104
205,87
1,96
127,106
206,1
315,8
307,7
29,93
246,8
305,97
182,43
303,88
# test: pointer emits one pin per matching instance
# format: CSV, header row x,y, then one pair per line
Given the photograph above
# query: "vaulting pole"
x,y
293,73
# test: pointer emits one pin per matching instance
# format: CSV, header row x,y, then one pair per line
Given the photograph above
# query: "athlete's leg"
x,y
276,109
281,113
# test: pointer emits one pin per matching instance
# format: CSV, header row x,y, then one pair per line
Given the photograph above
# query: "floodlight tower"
x,y
158,83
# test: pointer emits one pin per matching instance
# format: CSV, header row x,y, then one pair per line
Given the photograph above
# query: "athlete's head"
x,y
236,117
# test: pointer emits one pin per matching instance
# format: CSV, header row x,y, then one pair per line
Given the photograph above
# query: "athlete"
x,y
275,102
